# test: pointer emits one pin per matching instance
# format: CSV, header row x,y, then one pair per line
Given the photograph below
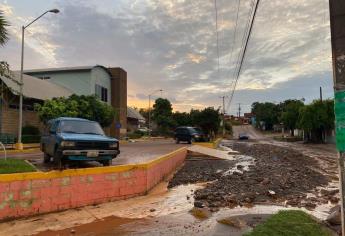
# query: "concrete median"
x,y
27,194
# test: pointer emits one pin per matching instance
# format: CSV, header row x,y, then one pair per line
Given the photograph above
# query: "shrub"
x,y
30,130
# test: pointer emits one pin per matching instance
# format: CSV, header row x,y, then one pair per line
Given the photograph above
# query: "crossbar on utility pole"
x,y
337,20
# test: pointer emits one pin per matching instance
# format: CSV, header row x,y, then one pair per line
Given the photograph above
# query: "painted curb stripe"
x,y
86,171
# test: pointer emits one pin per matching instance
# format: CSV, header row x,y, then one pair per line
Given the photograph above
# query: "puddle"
x,y
243,164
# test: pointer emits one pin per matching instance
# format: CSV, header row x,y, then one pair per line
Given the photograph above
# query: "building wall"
x,y
79,82
119,100
83,83
10,117
101,77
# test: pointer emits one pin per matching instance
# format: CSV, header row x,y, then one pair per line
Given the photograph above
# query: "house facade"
x,y
108,84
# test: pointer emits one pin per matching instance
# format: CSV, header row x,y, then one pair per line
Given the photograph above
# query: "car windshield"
x,y
193,131
198,130
80,127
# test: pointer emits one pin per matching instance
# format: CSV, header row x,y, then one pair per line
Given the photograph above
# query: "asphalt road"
x,y
247,129
131,153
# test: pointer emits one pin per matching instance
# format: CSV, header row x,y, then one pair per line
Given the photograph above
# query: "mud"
x,y
278,176
200,170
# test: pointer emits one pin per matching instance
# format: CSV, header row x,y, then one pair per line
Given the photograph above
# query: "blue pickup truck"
x,y
74,139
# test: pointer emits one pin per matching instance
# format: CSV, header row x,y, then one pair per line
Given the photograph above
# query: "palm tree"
x,y
3,30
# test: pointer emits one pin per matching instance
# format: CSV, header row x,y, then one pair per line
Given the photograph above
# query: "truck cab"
x,y
73,139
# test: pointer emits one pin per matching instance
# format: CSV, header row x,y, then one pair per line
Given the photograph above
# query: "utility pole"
x,y
239,110
337,20
223,98
320,93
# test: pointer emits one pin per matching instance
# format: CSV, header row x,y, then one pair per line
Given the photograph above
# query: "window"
x,y
101,92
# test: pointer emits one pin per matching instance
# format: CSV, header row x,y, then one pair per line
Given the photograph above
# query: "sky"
x,y
172,45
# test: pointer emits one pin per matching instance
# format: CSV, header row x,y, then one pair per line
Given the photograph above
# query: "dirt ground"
x,y
277,175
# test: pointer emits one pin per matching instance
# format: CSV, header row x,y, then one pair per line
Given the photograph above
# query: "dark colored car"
x,y
189,134
73,139
243,136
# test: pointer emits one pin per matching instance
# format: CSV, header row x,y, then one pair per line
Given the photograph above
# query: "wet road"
x,y
247,129
131,153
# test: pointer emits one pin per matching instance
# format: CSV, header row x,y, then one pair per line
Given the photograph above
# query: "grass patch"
x,y
15,166
293,222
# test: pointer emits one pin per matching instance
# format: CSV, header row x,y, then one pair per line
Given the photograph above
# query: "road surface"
x,y
247,129
131,153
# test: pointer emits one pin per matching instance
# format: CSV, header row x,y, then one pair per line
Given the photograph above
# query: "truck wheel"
x,y
58,159
46,158
106,162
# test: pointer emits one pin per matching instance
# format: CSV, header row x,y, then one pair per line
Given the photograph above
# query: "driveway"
x,y
131,153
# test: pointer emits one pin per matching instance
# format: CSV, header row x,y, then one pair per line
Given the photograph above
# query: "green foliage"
x,y
316,118
290,114
207,119
290,223
15,166
182,119
30,130
136,134
162,114
88,107
267,113
228,127
3,30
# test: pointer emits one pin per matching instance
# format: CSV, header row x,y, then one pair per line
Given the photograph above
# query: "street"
x,y
131,153
265,177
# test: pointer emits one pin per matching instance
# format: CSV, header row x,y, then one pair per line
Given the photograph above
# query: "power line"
x,y
245,34
216,11
234,37
245,49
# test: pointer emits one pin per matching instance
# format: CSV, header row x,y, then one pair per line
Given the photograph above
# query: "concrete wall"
x,y
28,194
9,116
119,100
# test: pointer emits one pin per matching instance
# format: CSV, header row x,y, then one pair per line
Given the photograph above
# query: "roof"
x,y
35,88
134,114
76,68
65,69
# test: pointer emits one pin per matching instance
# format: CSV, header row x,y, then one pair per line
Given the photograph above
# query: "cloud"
x,y
171,45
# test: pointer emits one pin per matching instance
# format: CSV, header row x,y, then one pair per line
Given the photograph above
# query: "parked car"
x,y
189,134
243,136
74,139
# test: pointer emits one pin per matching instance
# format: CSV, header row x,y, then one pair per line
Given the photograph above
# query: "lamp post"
x,y
149,124
19,144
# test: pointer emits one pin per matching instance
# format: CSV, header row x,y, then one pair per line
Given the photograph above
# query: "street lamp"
x,y
19,144
149,125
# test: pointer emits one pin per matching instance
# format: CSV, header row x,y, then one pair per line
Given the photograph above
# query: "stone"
x,y
233,221
198,204
200,213
152,210
334,217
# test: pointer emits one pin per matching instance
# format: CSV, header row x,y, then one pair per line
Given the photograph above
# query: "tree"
x,y
266,114
4,67
208,120
162,114
3,30
88,107
316,118
290,114
182,119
